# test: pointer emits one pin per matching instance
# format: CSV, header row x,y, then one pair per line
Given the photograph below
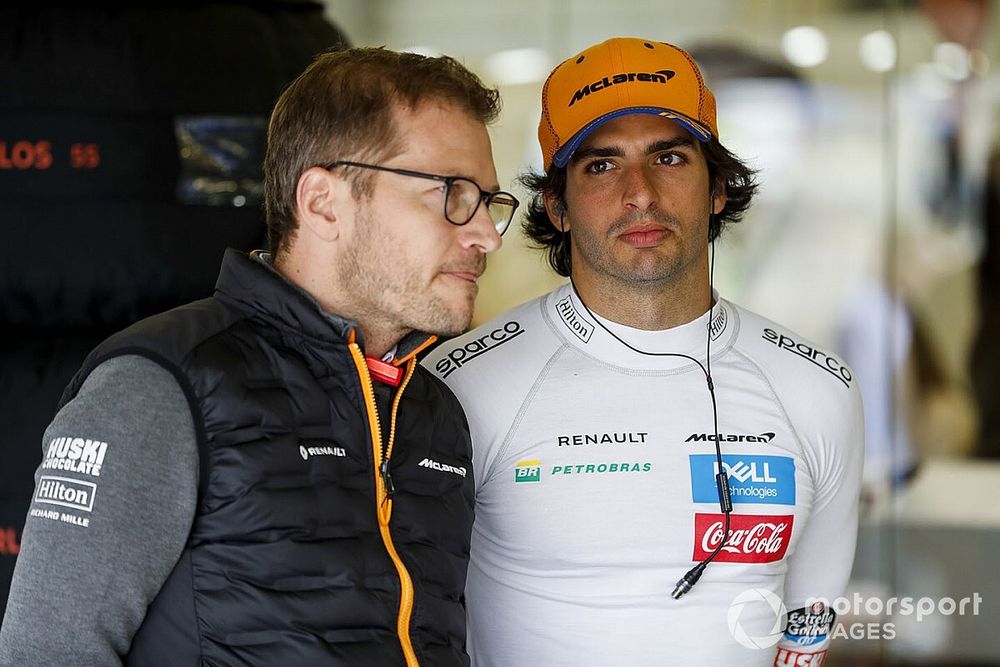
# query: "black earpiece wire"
x,y
691,577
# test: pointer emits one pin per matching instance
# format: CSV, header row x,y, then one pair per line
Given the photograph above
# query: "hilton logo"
x,y
573,321
66,492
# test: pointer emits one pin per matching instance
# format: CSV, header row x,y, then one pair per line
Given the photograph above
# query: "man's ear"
x,y
556,211
321,202
719,197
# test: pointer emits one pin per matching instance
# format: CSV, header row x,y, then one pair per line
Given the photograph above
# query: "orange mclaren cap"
x,y
623,75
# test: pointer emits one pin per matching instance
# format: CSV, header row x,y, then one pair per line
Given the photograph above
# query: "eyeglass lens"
x,y
464,198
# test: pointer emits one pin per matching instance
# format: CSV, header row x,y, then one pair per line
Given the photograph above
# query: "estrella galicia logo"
x,y
659,76
580,327
528,471
765,480
477,346
810,625
820,359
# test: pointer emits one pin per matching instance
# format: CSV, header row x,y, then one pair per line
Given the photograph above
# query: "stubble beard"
x,y
389,292
658,271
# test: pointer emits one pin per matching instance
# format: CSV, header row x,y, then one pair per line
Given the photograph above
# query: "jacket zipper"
x,y
383,494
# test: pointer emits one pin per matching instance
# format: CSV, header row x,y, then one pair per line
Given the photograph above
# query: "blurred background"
x,y
130,141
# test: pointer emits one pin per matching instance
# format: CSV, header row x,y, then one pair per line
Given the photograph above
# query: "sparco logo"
x,y
66,492
463,355
731,437
443,467
659,76
573,321
821,359
752,538
308,449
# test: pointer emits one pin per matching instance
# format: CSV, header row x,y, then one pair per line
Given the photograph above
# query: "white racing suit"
x,y
594,469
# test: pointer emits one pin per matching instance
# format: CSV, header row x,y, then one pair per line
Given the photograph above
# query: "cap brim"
x,y
563,155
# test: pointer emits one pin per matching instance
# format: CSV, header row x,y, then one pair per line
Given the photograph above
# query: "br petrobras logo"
x,y
753,538
477,346
756,618
528,471
768,480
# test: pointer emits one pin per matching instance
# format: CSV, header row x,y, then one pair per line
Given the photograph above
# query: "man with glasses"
x,y
657,470
267,476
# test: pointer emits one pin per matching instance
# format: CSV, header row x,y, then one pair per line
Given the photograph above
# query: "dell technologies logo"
x,y
659,76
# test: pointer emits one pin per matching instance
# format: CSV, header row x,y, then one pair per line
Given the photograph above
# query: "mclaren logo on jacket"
x,y
443,467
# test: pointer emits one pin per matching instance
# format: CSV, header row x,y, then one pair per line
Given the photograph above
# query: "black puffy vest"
x,y
298,555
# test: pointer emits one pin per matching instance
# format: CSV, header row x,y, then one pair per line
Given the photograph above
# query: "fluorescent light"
x,y
805,46
517,66
877,50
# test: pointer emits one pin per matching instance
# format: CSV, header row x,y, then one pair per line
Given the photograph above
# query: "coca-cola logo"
x,y
753,538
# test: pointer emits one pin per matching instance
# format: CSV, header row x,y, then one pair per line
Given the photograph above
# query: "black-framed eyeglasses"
x,y
462,196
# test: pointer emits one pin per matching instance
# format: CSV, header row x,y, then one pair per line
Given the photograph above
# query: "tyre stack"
x,y
131,143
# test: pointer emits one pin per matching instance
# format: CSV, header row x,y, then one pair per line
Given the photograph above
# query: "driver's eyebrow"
x,y
617,151
594,151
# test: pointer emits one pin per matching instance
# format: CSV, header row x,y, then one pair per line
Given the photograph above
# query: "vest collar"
x,y
251,283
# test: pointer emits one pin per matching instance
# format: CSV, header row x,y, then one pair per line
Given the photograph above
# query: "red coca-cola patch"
x,y
753,538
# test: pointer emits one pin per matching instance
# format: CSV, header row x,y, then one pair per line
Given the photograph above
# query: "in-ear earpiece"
x,y
559,208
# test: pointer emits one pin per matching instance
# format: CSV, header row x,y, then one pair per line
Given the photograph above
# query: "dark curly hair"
x,y
723,168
